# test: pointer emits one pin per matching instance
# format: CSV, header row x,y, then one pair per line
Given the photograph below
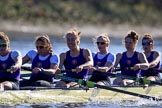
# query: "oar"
x,y
140,80
131,68
47,88
92,85
62,71
120,69
28,69
7,70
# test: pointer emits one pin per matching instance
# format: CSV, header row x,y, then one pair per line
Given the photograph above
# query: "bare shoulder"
x,y
156,53
119,55
86,51
63,55
140,54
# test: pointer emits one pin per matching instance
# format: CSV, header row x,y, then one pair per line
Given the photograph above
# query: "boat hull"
x,y
73,95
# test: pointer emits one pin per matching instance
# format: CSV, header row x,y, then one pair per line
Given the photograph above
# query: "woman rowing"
x,y
153,58
103,61
44,63
75,58
10,63
131,61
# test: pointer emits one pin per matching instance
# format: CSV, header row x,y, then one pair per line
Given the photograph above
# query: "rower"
x,y
10,63
153,58
44,63
103,61
75,58
130,58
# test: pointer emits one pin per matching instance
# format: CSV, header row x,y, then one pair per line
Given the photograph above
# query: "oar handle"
x,y
62,71
72,70
120,69
7,70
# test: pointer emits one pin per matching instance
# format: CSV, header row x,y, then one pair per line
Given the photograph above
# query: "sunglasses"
x,y
146,43
3,44
101,43
41,46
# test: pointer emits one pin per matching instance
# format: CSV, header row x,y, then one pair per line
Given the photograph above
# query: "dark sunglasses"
x,y
102,43
41,47
3,44
146,43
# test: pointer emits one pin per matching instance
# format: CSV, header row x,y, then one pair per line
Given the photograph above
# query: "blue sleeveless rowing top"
x,y
73,62
41,64
15,76
150,72
127,62
100,63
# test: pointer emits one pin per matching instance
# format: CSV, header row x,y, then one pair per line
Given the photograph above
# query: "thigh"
x,y
15,85
42,83
25,83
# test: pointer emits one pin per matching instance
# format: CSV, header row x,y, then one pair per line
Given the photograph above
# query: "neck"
x,y
130,53
74,52
4,53
103,52
147,53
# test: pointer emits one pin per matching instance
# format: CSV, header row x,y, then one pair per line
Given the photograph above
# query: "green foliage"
x,y
83,11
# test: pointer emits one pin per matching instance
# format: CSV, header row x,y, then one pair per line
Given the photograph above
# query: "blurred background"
x,y
23,20
55,17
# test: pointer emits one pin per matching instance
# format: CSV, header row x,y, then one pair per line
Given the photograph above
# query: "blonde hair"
x,y
75,32
45,39
104,36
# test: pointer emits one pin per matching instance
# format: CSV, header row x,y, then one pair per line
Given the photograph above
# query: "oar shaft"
x,y
7,70
92,85
127,92
140,80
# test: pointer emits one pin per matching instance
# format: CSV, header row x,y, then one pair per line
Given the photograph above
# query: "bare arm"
x,y
143,62
156,59
25,59
118,58
18,63
106,68
62,59
108,65
89,61
51,71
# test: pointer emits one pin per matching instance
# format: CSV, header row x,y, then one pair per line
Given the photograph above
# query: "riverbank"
x,y
87,30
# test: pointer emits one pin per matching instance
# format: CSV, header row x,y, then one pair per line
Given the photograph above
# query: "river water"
x,y
25,42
